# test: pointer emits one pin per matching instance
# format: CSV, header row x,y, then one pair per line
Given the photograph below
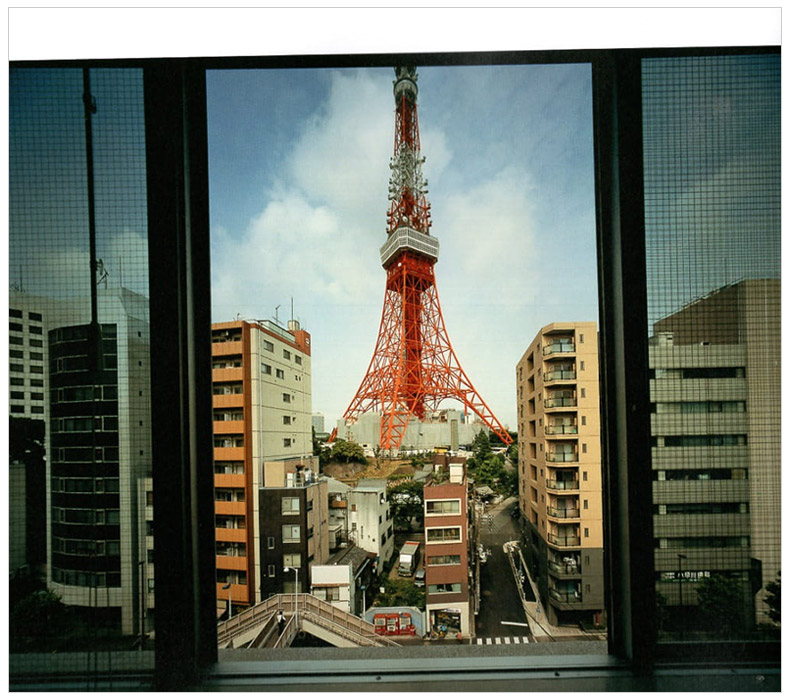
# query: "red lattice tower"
x,y
414,367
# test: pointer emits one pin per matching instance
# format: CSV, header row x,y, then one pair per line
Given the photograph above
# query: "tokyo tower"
x,y
414,366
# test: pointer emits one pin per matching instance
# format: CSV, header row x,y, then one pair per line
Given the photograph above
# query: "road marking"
x,y
519,624
502,640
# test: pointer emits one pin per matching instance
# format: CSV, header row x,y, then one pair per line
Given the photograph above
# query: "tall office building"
x,y
262,430
98,453
560,494
716,438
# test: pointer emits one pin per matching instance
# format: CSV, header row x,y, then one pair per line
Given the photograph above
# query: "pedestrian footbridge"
x,y
257,627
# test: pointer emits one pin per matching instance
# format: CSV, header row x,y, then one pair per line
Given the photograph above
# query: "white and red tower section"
x,y
414,367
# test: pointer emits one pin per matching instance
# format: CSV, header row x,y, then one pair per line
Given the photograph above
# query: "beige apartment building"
x,y
559,464
262,438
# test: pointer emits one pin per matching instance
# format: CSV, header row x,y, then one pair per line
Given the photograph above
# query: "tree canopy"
x,y
401,592
406,501
347,451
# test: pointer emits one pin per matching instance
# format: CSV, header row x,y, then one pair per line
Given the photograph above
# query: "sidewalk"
x,y
541,628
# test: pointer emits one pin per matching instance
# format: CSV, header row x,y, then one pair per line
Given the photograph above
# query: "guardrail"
x,y
320,612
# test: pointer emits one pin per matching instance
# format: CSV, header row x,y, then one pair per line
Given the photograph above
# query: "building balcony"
x,y
231,534
228,454
237,481
227,374
234,563
566,597
228,401
558,375
562,513
562,456
563,540
230,507
559,347
232,347
562,485
565,569
239,594
228,427
559,401
552,430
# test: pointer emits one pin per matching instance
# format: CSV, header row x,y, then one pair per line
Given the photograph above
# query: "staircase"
x,y
256,627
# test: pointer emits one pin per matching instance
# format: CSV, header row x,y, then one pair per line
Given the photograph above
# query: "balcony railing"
x,y
558,401
564,540
563,568
562,457
562,512
562,485
559,347
561,429
565,596
559,374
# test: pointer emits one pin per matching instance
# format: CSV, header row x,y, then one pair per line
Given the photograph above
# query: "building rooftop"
x,y
356,556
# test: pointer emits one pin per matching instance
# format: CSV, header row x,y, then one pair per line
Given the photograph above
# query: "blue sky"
x,y
298,163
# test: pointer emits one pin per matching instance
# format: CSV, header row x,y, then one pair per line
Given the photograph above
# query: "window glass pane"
x,y
524,171
712,213
79,568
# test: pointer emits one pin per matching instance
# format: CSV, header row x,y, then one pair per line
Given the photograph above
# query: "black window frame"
x,y
186,655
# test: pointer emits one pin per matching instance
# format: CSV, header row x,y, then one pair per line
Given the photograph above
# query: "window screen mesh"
x,y
81,525
712,213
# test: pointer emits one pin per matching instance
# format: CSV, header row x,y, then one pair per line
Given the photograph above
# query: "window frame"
x,y
186,653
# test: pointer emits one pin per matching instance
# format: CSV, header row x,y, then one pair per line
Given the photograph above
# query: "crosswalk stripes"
x,y
502,640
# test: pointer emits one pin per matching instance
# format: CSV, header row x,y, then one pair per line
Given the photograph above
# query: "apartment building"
x,y
448,588
560,494
294,533
262,432
716,439
370,520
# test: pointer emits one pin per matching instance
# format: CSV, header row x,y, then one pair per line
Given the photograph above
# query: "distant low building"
x,y
448,429
344,579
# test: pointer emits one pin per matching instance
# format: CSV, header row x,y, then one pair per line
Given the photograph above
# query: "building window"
x,y
280,374
15,313
271,570
294,560
268,346
444,560
287,442
291,533
266,369
444,588
290,505
581,337
286,398
298,359
270,542
445,507
286,355
443,534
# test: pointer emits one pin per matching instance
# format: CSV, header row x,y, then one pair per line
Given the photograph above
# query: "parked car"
x,y
419,578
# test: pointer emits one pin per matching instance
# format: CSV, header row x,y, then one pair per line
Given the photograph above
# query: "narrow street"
x,y
500,602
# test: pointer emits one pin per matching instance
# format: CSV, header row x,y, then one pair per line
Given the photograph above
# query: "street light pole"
x,y
230,600
295,569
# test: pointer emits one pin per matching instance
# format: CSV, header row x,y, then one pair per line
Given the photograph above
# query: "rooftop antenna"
x,y
276,320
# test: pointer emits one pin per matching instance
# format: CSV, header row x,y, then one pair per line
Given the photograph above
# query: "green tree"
x,y
721,603
512,450
774,599
481,447
347,451
401,592
405,501
37,619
